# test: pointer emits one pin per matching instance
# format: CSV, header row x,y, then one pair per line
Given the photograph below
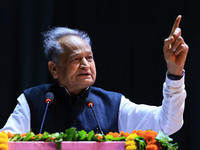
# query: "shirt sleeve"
x,y
167,118
19,120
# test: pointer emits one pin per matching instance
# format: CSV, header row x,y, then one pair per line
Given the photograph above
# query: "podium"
x,y
85,145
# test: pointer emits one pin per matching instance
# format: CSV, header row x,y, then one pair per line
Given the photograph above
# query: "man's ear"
x,y
53,68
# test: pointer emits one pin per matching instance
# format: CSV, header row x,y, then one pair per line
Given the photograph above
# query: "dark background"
x,y
127,39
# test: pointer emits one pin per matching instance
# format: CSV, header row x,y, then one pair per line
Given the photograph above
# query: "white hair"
x,y
52,48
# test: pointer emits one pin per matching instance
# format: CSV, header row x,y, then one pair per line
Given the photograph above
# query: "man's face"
x,y
77,70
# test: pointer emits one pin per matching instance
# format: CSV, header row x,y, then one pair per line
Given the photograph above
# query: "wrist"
x,y
176,70
175,77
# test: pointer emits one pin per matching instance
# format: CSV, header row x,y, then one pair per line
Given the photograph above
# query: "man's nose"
x,y
84,64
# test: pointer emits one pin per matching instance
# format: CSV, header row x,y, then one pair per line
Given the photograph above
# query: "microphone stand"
x,y
44,116
91,106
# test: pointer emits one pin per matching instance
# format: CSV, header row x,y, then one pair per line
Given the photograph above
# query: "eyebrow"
x,y
76,54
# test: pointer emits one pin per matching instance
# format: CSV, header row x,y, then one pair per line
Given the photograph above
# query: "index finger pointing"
x,y
176,24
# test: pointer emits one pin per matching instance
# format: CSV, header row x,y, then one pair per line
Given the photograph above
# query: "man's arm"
x,y
167,118
173,105
19,120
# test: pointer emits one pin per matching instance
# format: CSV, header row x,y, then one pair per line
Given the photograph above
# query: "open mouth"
x,y
83,74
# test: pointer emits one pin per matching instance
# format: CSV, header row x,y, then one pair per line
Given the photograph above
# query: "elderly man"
x,y
71,63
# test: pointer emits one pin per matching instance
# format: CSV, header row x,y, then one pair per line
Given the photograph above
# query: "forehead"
x,y
73,44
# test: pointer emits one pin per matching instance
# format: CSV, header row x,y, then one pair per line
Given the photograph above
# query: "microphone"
x,y
48,99
90,104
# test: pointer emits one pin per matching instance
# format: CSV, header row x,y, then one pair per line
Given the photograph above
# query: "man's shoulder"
x,y
105,96
41,87
98,89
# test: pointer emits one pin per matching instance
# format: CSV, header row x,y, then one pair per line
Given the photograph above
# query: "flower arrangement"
x,y
136,140
149,140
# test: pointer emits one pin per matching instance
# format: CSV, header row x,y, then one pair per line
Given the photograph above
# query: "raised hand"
x,y
175,50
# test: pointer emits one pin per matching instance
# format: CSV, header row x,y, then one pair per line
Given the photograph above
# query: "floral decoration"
x,y
136,140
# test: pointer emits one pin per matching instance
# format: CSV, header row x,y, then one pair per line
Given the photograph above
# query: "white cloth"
x,y
167,118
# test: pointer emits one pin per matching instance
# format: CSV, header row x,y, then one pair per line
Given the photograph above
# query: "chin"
x,y
88,83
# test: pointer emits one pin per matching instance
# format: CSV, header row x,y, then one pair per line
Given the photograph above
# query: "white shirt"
x,y
167,118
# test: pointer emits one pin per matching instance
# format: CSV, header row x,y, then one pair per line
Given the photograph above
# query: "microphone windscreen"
x,y
89,100
49,96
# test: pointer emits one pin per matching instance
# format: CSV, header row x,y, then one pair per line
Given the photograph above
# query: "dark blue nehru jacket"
x,y
71,111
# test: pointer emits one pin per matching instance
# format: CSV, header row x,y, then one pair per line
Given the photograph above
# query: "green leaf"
x,y
28,136
163,137
121,138
44,136
91,136
16,137
55,135
109,138
141,143
165,141
172,146
62,136
82,135
71,134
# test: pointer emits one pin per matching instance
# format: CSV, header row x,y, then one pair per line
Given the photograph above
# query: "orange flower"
x,y
152,147
151,132
32,138
2,132
122,133
114,134
140,133
150,137
40,135
134,131
22,135
100,137
10,134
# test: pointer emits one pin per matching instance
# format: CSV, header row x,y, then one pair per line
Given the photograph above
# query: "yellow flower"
x,y
3,147
3,141
131,137
3,135
129,143
131,147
